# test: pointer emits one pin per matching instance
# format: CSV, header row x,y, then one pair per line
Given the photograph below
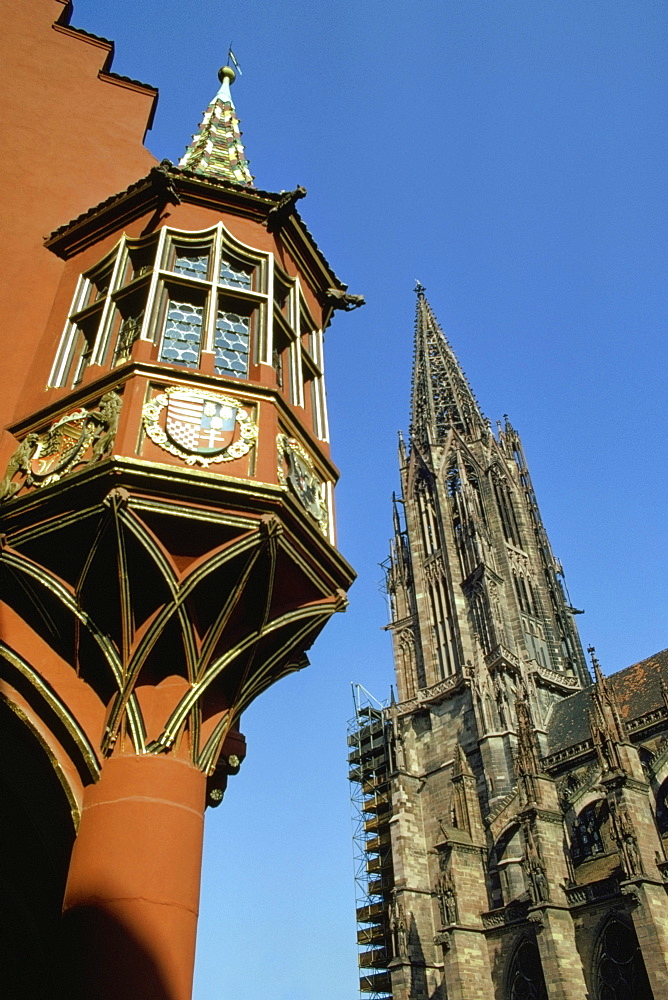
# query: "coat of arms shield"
x,y
200,424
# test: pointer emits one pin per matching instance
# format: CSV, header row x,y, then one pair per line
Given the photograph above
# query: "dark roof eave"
x,y
125,205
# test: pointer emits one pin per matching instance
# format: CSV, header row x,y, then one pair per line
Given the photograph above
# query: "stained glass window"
x,y
527,981
587,840
183,334
192,263
235,275
231,344
621,973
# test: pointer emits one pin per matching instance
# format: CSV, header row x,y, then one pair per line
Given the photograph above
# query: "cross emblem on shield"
x,y
200,424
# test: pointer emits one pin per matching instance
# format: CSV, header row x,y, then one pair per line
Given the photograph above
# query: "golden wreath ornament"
x,y
200,427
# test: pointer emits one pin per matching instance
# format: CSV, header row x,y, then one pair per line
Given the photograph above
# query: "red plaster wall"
x,y
53,75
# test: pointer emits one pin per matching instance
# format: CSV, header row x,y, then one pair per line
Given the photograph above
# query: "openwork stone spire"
x,y
441,398
216,149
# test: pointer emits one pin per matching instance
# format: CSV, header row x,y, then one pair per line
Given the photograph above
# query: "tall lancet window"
x,y
463,525
506,509
431,539
481,617
442,624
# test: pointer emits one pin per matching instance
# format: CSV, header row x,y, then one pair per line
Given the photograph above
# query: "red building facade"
x,y
168,543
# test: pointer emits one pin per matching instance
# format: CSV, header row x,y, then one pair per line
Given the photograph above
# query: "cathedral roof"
x,y
441,397
638,692
638,687
216,149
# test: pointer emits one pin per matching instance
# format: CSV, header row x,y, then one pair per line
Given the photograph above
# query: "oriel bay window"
x,y
195,294
186,292
284,346
311,343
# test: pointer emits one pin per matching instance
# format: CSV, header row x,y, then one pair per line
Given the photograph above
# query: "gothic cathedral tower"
x,y
512,815
484,645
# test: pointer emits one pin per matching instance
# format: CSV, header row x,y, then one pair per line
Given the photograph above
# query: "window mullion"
x,y
147,331
210,329
323,418
57,376
298,397
100,345
266,335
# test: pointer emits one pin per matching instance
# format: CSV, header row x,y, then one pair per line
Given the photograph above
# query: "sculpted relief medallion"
x,y
75,439
198,426
296,470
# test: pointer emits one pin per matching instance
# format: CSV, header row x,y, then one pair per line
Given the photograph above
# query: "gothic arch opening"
x,y
507,872
525,979
619,969
662,810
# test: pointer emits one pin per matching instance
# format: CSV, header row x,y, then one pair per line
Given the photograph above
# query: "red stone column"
x,y
132,896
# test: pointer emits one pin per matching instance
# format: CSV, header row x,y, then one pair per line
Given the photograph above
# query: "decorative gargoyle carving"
x,y
281,212
164,183
339,298
19,463
105,422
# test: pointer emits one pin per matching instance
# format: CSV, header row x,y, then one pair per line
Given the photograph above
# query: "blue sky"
x,y
511,155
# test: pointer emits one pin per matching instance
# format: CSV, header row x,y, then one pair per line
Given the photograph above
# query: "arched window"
x,y
508,881
481,617
473,480
428,521
526,980
506,509
620,972
463,524
587,838
662,809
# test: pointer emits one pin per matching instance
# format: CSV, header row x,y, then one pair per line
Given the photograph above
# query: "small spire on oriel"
x,y
216,149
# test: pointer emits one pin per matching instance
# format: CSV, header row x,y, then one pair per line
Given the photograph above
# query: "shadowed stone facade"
x,y
526,806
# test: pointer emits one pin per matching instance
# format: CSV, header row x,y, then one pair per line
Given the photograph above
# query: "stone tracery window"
x,y
526,980
620,969
506,509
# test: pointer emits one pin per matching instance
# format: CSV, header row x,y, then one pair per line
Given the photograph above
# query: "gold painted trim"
x,y
57,706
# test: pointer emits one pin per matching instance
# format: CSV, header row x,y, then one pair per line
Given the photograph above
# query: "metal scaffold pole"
x,y
369,747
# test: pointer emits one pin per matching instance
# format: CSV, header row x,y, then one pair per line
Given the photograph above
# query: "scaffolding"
x,y
369,770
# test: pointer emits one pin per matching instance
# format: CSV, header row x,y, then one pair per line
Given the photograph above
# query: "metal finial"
x,y
226,72
419,288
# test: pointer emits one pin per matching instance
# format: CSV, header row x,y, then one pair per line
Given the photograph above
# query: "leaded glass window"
x,y
526,981
187,293
183,334
587,840
662,809
192,263
232,344
236,275
621,973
